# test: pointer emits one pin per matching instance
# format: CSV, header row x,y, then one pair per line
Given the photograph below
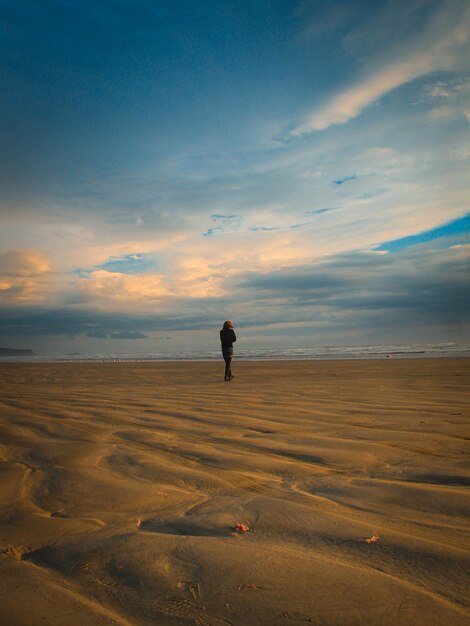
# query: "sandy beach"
x,y
121,484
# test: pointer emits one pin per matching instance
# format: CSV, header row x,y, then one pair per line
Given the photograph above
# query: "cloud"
x,y
370,294
446,89
129,334
220,217
295,279
103,288
24,276
211,231
224,222
433,52
443,113
437,89
345,179
351,102
372,291
24,262
317,211
97,334
452,98
41,321
255,229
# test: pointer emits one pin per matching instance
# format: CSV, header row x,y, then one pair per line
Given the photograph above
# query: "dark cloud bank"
x,y
417,288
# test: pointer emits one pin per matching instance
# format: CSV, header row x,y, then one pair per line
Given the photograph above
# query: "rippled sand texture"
x,y
120,484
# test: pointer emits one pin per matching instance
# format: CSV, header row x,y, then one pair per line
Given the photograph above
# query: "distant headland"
x,y
16,352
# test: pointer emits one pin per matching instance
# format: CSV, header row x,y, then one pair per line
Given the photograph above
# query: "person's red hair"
x,y
228,324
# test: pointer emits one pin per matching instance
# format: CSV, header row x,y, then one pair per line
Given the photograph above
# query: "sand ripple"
x,y
121,483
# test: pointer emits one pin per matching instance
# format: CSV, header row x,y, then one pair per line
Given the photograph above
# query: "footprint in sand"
x,y
189,608
17,551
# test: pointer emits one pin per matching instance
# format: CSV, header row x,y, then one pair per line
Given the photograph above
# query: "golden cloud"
x,y
24,276
121,289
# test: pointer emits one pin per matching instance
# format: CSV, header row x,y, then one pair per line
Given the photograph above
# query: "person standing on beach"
x,y
227,338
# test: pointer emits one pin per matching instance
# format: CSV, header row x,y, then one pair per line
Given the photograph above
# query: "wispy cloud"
x,y
351,102
345,179
443,113
256,229
223,223
228,219
433,54
445,89
317,211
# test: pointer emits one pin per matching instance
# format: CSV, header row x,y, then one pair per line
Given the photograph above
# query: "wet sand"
x,y
120,485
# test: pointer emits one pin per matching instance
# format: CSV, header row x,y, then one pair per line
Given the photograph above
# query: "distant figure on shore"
x,y
227,338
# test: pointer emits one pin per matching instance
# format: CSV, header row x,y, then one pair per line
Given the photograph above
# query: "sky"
x,y
299,167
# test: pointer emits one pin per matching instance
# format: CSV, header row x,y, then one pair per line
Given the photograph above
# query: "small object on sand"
x,y
241,528
372,539
249,586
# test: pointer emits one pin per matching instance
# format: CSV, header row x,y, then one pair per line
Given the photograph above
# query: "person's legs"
x,y
228,371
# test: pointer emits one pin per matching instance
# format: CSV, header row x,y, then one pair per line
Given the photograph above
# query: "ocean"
x,y
381,351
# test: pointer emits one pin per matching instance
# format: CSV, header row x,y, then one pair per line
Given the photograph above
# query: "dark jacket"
x,y
227,337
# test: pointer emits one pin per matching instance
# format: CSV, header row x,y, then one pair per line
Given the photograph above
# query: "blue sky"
x,y
299,167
